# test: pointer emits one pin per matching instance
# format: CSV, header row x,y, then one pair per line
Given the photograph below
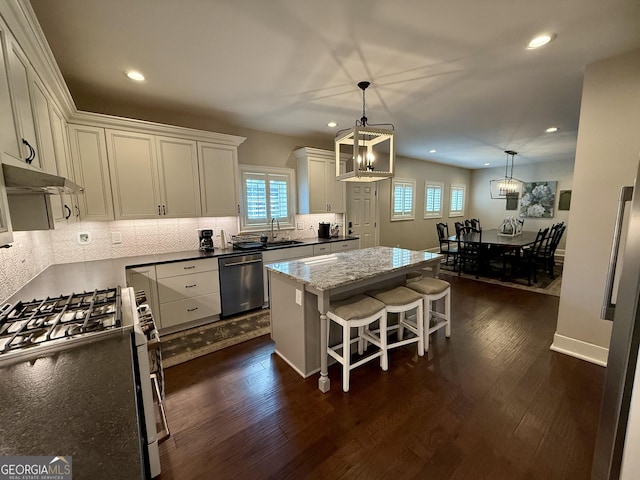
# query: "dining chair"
x,y
547,253
473,222
458,226
469,249
530,255
447,247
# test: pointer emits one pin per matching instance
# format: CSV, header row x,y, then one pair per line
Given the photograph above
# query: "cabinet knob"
x,y
159,210
68,215
164,210
32,152
192,309
190,286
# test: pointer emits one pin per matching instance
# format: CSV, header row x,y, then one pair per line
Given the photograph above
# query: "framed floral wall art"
x,y
538,199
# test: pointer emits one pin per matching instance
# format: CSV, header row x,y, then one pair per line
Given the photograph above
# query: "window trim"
x,y
405,215
427,185
245,225
454,187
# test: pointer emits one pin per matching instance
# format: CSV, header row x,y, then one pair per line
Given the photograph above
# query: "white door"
x,y
362,213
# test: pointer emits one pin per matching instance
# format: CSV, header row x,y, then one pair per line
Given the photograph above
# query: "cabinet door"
x,y
6,235
317,171
336,188
45,140
134,178
69,203
178,175
144,278
91,170
218,179
19,72
8,131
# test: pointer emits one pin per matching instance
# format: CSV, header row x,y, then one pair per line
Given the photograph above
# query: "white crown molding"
x,y
110,121
23,23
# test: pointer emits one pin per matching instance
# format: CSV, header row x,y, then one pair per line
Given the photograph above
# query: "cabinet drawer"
x,y
344,246
189,309
322,249
187,267
180,287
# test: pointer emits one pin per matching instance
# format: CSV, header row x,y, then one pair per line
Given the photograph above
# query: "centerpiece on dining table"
x,y
511,227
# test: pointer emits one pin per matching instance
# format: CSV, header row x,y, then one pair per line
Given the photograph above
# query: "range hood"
x,y
29,180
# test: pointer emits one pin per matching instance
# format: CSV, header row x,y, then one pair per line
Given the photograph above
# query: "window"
x,y
456,207
267,192
403,199
433,199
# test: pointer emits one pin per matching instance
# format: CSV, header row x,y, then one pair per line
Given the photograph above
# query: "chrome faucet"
x,y
274,235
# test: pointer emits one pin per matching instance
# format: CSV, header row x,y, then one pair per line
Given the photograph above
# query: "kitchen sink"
x,y
283,243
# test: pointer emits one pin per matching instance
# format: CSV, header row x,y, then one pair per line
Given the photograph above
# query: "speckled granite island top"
x,y
330,271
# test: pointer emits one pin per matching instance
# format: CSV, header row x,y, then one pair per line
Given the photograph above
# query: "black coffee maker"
x,y
324,230
205,236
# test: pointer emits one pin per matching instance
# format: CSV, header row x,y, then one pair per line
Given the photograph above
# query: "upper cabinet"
x,y
91,169
318,189
69,208
218,179
20,74
6,235
152,176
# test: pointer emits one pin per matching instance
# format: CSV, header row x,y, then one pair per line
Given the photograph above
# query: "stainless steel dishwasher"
x,y
241,284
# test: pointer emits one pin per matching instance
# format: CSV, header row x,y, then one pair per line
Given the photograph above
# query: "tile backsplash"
x,y
32,252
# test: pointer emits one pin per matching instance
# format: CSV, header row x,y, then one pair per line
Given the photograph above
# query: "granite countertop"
x,y
78,402
330,271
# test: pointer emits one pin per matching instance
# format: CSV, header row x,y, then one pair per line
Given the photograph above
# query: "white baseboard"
x,y
579,349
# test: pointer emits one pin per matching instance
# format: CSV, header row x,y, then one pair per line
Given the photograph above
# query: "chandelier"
x,y
364,153
506,186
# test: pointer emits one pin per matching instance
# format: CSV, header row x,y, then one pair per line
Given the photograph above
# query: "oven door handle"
x,y
164,433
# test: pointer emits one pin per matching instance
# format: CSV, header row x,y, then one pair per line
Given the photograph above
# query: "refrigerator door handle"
x,y
606,312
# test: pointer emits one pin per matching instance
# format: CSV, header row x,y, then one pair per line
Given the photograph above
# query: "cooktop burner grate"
x,y
26,324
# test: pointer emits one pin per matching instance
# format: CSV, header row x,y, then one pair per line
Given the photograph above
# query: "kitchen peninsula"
x,y
301,291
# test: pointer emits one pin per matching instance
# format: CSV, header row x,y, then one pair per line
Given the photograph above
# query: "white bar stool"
x,y
434,289
360,311
402,300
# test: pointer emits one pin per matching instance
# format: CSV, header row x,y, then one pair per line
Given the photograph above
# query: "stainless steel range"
x,y
37,328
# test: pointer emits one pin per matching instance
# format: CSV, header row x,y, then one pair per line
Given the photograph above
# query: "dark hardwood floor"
x,y
490,402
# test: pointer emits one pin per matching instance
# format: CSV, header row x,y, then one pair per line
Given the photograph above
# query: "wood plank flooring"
x,y
490,402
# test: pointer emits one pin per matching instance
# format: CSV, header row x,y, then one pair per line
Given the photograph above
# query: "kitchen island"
x,y
301,291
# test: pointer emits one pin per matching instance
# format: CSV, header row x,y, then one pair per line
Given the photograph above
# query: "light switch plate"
x,y
116,237
83,238
299,225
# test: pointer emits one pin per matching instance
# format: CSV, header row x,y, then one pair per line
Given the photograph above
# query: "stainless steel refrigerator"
x,y
620,410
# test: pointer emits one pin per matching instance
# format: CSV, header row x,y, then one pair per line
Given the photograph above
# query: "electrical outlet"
x,y
116,237
83,238
299,225
298,297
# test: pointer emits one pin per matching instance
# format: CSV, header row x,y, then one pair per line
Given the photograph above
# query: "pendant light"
x,y
506,186
365,153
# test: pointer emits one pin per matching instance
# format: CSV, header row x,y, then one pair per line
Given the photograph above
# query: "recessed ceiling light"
x,y
137,76
332,124
433,150
551,129
486,164
541,40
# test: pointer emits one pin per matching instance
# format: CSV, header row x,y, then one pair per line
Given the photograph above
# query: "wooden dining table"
x,y
491,241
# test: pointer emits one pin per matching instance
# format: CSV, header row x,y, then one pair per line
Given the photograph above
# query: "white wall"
x,y
606,158
491,212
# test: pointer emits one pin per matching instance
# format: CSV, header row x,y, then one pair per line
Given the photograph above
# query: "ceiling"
x,y
451,75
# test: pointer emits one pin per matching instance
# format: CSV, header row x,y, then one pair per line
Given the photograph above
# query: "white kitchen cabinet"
x,y
91,170
20,73
152,177
278,254
188,293
69,202
6,234
318,189
144,279
218,179
8,131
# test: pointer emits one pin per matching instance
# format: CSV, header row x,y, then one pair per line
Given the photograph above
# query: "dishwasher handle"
x,y
235,264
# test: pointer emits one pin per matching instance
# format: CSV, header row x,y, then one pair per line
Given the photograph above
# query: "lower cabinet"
x,y
180,294
290,253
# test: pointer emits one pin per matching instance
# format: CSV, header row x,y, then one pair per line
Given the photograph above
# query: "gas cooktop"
x,y
54,321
